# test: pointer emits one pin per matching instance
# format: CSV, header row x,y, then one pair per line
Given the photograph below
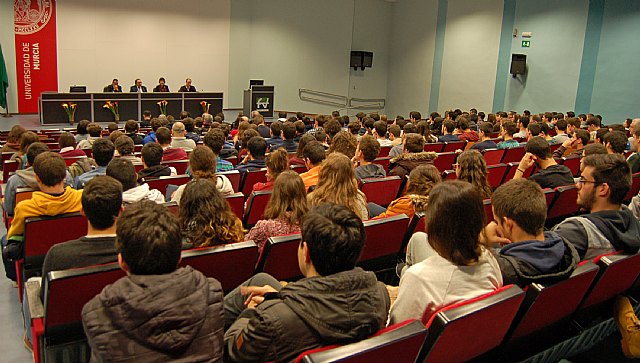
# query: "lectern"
x,y
259,98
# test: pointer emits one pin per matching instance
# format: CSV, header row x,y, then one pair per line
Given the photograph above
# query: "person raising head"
x,y
337,184
285,210
206,218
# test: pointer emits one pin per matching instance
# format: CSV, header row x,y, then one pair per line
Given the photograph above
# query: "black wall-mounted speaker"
x,y
518,64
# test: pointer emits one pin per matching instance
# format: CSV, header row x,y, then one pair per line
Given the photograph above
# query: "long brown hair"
x,y
337,184
344,142
277,162
422,179
205,216
473,169
288,200
202,162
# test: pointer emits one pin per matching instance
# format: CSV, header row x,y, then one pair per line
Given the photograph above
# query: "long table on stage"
x,y
90,106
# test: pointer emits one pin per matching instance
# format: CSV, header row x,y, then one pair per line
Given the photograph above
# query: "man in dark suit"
x,y
187,87
162,86
113,87
138,87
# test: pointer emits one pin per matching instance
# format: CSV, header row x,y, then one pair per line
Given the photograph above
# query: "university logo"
x,y
262,103
31,15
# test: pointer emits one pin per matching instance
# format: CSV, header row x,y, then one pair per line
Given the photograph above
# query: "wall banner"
x,y
36,51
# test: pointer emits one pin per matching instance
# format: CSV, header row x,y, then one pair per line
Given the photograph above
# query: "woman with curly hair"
x,y
337,184
202,162
285,211
344,142
206,218
472,168
277,162
416,197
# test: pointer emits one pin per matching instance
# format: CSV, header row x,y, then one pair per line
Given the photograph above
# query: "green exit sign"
x,y
526,43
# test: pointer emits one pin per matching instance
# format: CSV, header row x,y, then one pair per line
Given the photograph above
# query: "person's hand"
x,y
255,294
567,143
527,161
393,293
245,159
492,234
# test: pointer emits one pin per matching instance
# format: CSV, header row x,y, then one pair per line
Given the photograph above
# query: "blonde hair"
x,y
337,184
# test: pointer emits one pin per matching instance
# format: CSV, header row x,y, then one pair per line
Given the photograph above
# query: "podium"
x,y
259,98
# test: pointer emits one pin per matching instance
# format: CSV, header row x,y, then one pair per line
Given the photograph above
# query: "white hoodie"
x,y
142,192
222,182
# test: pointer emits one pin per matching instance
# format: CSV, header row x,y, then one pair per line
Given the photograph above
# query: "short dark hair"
x,y
66,140
414,143
94,130
101,201
450,203
34,150
314,151
354,127
152,154
81,127
335,237
163,135
486,128
594,148
124,145
538,146
463,123
123,171
131,126
102,151
583,135
149,239
50,168
510,127
276,127
415,115
257,146
600,134
449,126
155,124
523,201
188,124
617,141
593,121
395,130
524,120
332,127
289,130
381,128
561,124
370,148
611,169
535,129
214,139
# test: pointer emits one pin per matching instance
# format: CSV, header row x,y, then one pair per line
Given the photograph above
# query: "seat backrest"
x,y
23,194
6,156
231,264
617,274
381,191
251,177
573,163
449,175
564,203
383,161
444,161
453,146
279,257
417,224
547,304
635,186
88,152
384,151
66,292
488,210
179,165
173,207
493,156
299,168
400,343
480,323
511,171
72,159
236,202
513,155
233,160
256,206
435,147
549,195
383,238
9,166
234,178
38,236
496,174
162,182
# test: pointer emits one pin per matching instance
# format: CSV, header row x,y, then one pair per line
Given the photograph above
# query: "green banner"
x,y
4,81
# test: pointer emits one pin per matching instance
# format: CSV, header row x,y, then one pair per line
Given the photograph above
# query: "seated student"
x,y
425,131
215,139
67,145
158,312
337,184
151,136
448,127
123,171
544,132
465,132
102,151
189,128
124,149
451,265
367,151
277,162
206,219
26,140
416,197
336,303
395,135
285,211
81,130
299,158
561,131
26,178
634,158
471,167
507,130
314,156
615,142
380,132
151,157
202,162
95,133
575,145
13,139
275,132
288,137
163,138
407,129
523,123
485,138
131,130
532,255
52,199
610,225
256,149
345,143
413,155
179,140
551,175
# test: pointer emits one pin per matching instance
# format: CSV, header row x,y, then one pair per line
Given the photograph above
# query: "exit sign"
x,y
526,43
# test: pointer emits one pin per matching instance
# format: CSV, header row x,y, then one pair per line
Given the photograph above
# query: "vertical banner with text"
x,y
36,51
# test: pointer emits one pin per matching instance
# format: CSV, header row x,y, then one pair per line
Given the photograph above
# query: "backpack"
x,y
82,166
